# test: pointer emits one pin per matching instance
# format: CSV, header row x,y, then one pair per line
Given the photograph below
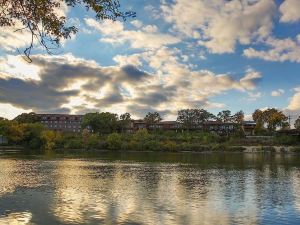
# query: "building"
x,y
3,140
209,126
62,122
248,127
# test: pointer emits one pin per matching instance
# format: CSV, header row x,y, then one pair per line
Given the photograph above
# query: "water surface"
x,y
150,188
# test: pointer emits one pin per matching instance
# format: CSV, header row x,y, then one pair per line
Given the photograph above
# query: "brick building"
x,y
62,122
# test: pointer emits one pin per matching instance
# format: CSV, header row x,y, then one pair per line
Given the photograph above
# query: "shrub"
x,y
114,141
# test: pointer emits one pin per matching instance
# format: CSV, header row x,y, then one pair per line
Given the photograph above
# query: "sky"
x,y
175,54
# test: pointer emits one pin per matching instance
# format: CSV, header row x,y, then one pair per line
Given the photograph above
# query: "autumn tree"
x,y
270,118
44,22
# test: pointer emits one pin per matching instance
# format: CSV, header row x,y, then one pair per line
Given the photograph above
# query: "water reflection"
x,y
17,218
212,189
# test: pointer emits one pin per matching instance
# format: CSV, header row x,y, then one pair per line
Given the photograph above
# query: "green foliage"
x,y
124,122
27,118
73,143
47,27
191,118
104,123
114,141
51,139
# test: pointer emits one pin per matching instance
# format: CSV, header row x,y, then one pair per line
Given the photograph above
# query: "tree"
x,y
50,138
41,18
104,122
114,141
270,118
152,118
297,123
225,116
125,120
258,117
27,118
191,118
238,117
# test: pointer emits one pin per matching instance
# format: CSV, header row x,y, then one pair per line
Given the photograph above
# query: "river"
x,y
150,188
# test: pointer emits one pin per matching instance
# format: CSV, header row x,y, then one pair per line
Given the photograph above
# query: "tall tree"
x,y
238,117
270,118
297,123
225,116
152,118
103,122
46,25
191,118
125,120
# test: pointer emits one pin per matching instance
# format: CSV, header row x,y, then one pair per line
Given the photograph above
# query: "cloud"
x,y
69,84
220,25
294,104
289,10
278,50
277,93
147,37
14,38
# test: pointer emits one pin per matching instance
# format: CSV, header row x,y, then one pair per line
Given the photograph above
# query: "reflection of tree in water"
x,y
105,192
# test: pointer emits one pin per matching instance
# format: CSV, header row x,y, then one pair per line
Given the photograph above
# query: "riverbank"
x,y
203,149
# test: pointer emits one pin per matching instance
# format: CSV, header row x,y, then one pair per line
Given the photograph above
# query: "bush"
x,y
114,141
169,145
73,143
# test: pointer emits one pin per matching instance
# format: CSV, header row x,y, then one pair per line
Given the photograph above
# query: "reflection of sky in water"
x,y
71,191
17,218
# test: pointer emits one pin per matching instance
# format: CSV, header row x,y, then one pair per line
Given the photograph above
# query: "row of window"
x,y
73,122
61,126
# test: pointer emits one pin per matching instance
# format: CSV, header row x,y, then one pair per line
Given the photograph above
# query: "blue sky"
x,y
212,54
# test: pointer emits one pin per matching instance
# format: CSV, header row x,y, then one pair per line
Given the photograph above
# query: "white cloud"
x,y
279,50
289,10
78,85
294,104
219,25
147,37
277,93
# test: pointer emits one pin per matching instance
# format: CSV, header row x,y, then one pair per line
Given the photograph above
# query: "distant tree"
x,y
191,118
225,116
274,119
125,120
46,26
297,123
238,117
104,122
27,118
32,135
152,118
258,117
270,118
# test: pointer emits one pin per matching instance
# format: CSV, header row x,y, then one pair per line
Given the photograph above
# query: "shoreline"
x,y
205,149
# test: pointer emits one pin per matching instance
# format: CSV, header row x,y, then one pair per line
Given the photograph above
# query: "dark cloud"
x,y
29,94
140,111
